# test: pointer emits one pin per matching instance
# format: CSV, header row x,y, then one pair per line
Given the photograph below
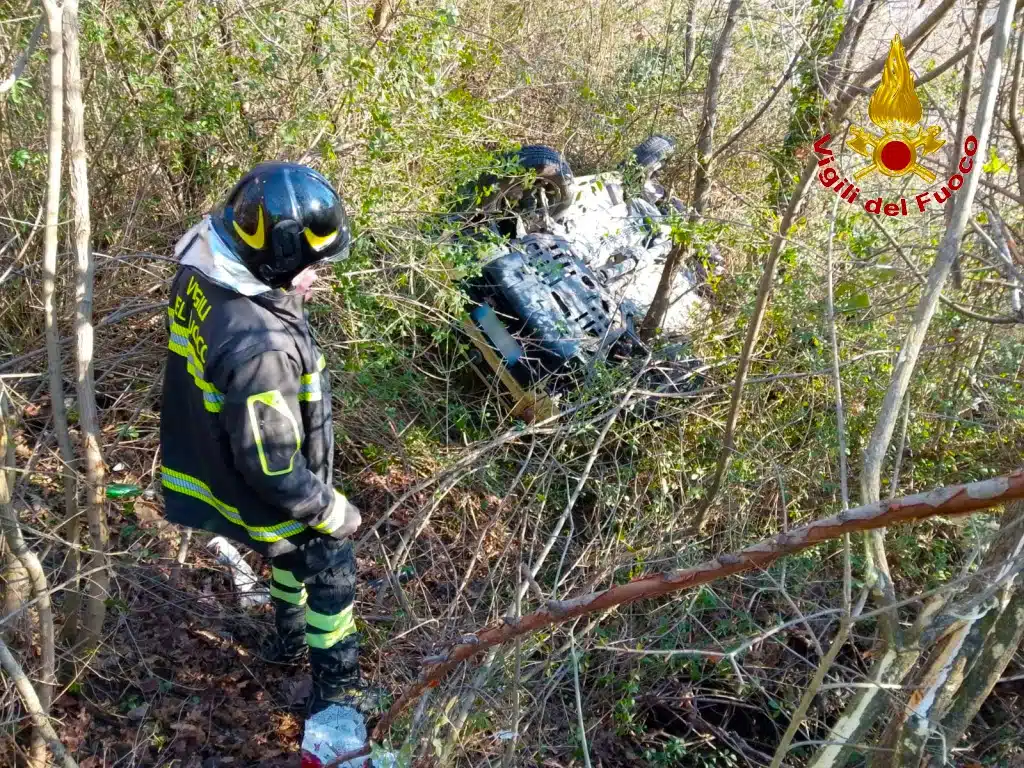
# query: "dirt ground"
x,y
179,680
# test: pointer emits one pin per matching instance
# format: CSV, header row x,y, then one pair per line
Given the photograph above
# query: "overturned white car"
x,y
575,272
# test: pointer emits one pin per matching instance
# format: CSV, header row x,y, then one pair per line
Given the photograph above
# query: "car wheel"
x,y
548,187
652,153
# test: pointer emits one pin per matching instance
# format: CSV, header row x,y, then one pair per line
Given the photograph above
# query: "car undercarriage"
x,y
575,270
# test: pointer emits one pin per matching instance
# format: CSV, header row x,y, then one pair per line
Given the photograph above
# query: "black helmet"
x,y
280,218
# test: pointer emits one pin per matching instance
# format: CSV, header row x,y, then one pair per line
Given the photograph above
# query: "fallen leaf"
x,y
298,690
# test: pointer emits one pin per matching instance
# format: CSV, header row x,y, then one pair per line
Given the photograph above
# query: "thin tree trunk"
x,y
17,588
874,453
40,591
16,583
28,694
894,662
88,419
691,17
961,119
964,651
55,363
706,137
865,707
1015,127
702,180
1001,645
812,690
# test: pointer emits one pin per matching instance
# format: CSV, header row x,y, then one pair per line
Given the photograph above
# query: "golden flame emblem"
x,y
895,108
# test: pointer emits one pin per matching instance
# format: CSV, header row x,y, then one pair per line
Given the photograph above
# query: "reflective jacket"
x,y
245,422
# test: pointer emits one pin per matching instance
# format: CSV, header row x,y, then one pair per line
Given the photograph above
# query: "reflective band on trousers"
x,y
284,586
293,597
285,578
197,489
336,627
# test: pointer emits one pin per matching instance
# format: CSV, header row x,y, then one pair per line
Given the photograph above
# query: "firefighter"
x,y
245,425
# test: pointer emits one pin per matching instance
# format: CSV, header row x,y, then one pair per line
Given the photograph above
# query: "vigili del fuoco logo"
x,y
896,111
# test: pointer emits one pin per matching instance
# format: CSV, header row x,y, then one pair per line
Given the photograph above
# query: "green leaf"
x,y
994,164
858,300
20,158
850,297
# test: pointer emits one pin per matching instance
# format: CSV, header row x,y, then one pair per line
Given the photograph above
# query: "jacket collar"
x,y
202,248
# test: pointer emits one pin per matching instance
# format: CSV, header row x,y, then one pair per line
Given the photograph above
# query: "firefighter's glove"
x,y
343,519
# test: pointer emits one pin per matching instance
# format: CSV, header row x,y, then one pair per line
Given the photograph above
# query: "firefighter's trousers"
x,y
313,589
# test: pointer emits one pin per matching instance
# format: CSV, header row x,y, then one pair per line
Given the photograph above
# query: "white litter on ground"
x,y
250,594
337,730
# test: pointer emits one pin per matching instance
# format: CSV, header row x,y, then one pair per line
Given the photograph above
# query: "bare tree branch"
x,y
961,119
764,290
955,306
1014,108
759,110
956,57
1002,191
702,180
952,500
22,61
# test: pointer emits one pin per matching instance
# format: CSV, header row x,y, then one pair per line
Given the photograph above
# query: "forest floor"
x,y
179,679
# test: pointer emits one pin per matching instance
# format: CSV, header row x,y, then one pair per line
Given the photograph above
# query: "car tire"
x,y
652,153
554,176
547,162
497,195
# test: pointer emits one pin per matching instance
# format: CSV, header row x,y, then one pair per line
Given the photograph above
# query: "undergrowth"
x,y
183,96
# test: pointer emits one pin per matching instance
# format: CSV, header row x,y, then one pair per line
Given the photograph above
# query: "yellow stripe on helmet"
x,y
318,243
258,238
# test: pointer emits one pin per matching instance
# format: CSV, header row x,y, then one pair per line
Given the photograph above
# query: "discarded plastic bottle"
x,y
122,491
